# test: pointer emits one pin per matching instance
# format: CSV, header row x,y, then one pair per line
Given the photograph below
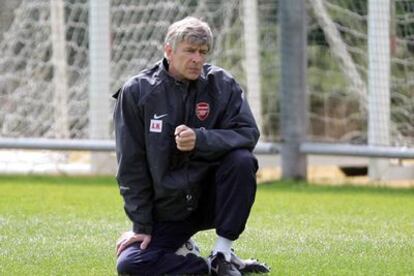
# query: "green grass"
x,y
68,226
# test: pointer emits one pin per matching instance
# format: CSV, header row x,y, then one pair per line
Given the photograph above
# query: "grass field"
x,y
68,226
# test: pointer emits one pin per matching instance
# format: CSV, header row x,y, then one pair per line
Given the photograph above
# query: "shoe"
x,y
248,265
222,267
189,247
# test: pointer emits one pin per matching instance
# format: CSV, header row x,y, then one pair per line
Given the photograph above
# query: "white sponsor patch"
x,y
156,126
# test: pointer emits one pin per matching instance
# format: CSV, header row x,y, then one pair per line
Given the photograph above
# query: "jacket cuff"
x,y
200,138
142,229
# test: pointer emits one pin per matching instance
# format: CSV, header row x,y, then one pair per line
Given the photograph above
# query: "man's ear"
x,y
168,50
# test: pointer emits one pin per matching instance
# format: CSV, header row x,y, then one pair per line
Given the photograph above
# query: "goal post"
x,y
60,79
99,87
293,89
252,62
379,83
99,59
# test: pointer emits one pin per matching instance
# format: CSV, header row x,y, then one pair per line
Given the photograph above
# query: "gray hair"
x,y
191,30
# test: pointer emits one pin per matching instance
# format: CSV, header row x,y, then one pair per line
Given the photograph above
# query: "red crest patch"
x,y
202,110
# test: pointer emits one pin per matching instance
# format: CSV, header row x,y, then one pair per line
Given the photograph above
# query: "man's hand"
x,y
130,237
185,138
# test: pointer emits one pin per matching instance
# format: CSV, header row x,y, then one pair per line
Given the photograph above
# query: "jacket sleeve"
x,y
133,176
236,129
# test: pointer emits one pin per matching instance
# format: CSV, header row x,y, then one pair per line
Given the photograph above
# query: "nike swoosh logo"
x,y
156,117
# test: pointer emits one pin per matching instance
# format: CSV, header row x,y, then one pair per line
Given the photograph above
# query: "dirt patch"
x,y
332,175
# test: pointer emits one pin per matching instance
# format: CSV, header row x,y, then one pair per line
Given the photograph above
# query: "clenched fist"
x,y
185,138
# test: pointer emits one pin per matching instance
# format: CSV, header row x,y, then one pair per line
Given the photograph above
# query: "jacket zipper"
x,y
187,113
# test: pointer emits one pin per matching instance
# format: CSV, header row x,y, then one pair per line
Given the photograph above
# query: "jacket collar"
x,y
165,75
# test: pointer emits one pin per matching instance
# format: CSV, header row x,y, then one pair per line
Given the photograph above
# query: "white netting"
x,y
337,62
402,90
138,27
337,110
25,73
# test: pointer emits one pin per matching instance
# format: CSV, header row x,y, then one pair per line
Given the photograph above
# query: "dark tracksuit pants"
x,y
225,206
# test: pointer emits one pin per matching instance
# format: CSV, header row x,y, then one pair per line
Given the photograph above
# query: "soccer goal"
x,y
360,75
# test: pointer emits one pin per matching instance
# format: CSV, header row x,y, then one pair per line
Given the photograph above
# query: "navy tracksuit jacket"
x,y
171,194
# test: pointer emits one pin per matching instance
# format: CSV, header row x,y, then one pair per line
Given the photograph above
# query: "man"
x,y
184,141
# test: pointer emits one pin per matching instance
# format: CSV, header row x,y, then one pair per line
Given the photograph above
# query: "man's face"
x,y
186,62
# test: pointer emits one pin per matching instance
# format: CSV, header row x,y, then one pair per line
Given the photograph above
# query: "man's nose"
x,y
197,57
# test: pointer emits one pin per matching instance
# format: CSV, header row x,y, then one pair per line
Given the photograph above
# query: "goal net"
x,y
137,27
337,63
27,86
338,71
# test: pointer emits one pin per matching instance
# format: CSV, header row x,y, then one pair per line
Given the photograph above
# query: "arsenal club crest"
x,y
202,110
